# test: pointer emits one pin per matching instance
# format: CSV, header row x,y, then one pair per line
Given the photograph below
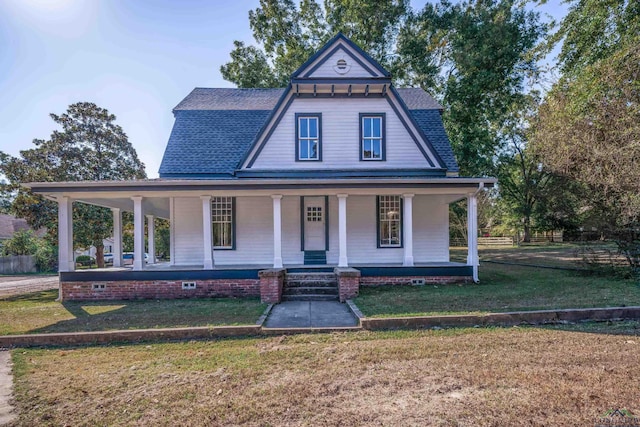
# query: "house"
x,y
337,173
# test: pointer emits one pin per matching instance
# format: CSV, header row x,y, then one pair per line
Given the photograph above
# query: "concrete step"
x,y
311,283
308,290
310,297
310,276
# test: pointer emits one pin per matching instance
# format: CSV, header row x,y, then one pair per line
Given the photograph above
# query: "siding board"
x,y
340,137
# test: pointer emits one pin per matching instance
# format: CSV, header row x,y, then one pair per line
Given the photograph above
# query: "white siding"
x,y
188,231
340,137
254,233
355,70
362,247
430,229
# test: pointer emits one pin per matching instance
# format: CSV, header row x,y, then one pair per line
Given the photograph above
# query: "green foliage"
x,y
85,260
289,34
594,30
89,146
46,257
478,57
23,242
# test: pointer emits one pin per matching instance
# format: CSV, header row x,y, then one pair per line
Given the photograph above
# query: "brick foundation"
x,y
406,280
348,282
158,289
271,285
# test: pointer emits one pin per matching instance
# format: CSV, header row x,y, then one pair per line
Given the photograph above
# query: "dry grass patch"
x,y
516,376
39,312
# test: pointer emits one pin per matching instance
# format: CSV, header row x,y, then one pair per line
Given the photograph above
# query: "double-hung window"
x,y
308,137
372,136
389,221
222,219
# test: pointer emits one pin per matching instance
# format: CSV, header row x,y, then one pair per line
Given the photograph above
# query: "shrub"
x,y
85,260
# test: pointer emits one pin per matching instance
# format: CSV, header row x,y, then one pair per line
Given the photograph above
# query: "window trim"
x,y
233,225
383,137
299,116
401,225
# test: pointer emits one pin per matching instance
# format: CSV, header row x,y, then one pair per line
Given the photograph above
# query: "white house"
x,y
337,173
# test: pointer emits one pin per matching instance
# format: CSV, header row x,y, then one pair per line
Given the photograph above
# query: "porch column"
x,y
65,234
117,237
407,227
207,233
472,234
172,235
342,230
138,233
151,238
277,231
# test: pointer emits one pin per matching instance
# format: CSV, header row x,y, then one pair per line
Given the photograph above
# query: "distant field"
x,y
565,376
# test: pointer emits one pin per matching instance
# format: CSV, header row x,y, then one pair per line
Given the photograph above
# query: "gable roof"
x,y
9,224
328,49
215,127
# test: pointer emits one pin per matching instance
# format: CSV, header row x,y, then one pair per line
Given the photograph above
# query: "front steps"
x,y
310,287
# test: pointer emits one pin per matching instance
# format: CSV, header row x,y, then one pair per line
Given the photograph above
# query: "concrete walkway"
x,y
7,414
310,314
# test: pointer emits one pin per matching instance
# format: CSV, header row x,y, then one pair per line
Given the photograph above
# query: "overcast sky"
x,y
136,58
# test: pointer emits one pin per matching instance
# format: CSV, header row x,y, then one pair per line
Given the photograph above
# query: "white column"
x,y
207,233
151,238
277,231
117,237
472,234
172,234
138,233
407,230
66,261
342,230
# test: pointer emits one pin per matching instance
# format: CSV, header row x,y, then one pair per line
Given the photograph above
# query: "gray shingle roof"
x,y
205,142
230,99
431,124
214,128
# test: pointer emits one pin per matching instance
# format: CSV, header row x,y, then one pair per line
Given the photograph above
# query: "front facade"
x,y
338,173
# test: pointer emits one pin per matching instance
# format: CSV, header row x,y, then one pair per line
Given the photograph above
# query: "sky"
x,y
136,58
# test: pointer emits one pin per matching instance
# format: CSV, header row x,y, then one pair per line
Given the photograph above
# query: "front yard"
x,y
502,288
567,375
39,312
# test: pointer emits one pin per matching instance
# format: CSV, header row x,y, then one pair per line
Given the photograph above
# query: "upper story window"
x,y
372,132
308,137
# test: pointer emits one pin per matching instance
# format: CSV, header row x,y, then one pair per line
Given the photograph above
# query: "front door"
x,y
314,217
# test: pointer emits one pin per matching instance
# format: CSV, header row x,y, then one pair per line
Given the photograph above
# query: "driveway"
x,y
16,285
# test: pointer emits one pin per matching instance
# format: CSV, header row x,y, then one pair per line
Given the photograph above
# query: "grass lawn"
x,y
486,377
39,312
502,288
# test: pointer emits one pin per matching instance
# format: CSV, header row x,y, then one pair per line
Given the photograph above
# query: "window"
x,y
308,137
389,222
372,137
314,213
223,222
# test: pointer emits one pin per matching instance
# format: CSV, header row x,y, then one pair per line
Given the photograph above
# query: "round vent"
x,y
341,66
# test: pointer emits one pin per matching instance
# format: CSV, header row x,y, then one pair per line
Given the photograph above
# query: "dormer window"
x,y
308,137
372,141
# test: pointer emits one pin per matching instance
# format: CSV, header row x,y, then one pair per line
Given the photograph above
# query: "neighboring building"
x,y
9,224
339,171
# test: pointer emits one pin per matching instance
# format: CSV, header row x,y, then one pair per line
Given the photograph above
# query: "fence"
x,y
485,241
17,264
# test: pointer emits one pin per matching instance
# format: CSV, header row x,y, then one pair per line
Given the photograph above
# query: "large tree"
x,y
88,146
477,56
588,128
288,33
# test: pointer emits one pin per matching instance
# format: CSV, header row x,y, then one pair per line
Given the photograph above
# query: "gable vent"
x,y
341,66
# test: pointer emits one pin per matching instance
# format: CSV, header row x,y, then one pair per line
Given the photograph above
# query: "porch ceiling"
x,y
157,206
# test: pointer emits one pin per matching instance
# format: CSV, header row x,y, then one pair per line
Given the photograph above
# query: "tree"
x,y
89,146
477,57
588,130
289,34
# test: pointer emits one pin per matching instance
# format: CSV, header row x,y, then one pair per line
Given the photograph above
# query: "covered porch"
x,y
269,228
